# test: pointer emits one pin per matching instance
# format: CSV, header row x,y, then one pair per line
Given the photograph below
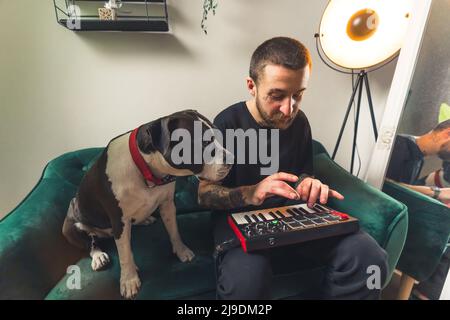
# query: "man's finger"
x,y
315,192
284,176
279,184
283,192
324,191
335,194
305,188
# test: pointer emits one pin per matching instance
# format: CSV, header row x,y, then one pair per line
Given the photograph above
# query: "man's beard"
x,y
444,151
278,121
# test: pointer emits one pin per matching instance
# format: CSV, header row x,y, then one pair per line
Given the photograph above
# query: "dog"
x,y
134,176
439,178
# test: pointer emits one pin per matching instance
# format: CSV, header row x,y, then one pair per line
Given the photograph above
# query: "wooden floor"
x,y
391,291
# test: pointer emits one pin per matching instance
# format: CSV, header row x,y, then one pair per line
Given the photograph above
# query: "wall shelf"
x,y
136,15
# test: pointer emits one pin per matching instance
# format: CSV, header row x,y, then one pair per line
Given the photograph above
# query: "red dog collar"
x,y
142,165
437,178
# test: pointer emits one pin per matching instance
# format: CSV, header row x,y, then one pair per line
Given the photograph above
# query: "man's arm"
x,y
444,195
217,197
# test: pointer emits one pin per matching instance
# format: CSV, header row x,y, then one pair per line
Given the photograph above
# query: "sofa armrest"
x,y
428,231
383,217
34,255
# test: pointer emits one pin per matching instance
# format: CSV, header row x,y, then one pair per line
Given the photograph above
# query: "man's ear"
x,y
251,86
150,137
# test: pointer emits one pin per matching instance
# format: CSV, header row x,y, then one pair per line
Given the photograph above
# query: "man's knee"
x,y
243,276
361,249
358,269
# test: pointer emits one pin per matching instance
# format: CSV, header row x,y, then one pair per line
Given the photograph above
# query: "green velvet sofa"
x,y
427,237
34,256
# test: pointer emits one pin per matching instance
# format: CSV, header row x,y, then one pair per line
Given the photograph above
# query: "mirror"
x,y
420,154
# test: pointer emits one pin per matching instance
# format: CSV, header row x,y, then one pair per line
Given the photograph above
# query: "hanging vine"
x,y
208,6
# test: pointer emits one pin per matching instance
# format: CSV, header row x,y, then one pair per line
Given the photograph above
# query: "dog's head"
x,y
185,143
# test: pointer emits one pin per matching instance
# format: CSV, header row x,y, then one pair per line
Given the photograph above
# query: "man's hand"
x,y
272,185
311,189
217,197
444,195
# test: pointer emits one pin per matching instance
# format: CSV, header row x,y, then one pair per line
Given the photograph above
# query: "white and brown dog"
x,y
131,179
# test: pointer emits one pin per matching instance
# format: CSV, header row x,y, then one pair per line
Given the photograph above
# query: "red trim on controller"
x,y
343,216
238,233
139,160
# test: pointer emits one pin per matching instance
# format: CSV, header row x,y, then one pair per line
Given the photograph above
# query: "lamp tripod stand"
x,y
360,83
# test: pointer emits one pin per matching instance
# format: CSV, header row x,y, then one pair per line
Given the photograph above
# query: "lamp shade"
x,y
359,34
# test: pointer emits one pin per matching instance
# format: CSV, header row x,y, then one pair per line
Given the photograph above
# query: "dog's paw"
x,y
129,285
148,221
183,253
99,260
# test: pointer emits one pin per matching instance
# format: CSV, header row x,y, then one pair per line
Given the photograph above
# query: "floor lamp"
x,y
358,37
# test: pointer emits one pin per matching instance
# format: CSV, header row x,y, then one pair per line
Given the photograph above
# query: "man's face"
x,y
279,93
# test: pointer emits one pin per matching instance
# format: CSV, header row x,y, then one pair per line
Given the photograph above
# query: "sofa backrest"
x,y
318,148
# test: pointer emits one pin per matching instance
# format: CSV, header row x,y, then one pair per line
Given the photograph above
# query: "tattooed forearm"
x,y
217,197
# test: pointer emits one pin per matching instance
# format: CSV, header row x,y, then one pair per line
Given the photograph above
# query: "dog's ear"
x,y
151,137
197,115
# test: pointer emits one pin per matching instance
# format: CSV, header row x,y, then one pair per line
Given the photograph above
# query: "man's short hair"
x,y
442,126
283,51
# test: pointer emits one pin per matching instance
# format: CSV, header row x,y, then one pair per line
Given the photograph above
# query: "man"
x,y
279,74
409,152
408,157
404,167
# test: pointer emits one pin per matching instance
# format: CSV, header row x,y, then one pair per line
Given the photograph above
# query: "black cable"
x,y
146,10
354,118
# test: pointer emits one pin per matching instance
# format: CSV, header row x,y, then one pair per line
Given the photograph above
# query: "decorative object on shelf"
x,y
109,12
106,14
359,37
208,6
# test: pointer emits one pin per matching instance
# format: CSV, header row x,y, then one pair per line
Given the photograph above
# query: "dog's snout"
x,y
227,165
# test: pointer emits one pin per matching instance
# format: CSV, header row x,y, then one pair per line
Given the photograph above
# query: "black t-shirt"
x,y
406,160
294,156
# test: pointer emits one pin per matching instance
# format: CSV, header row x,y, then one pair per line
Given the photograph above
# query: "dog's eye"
x,y
209,141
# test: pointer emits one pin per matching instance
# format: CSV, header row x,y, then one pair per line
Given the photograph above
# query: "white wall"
x,y
61,91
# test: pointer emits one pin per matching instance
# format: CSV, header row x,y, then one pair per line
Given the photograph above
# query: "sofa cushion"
x,y
163,276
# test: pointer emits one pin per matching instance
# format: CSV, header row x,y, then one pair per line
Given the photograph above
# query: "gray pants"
x,y
249,276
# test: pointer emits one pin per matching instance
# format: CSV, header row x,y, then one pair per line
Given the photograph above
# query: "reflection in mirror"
x,y
420,161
